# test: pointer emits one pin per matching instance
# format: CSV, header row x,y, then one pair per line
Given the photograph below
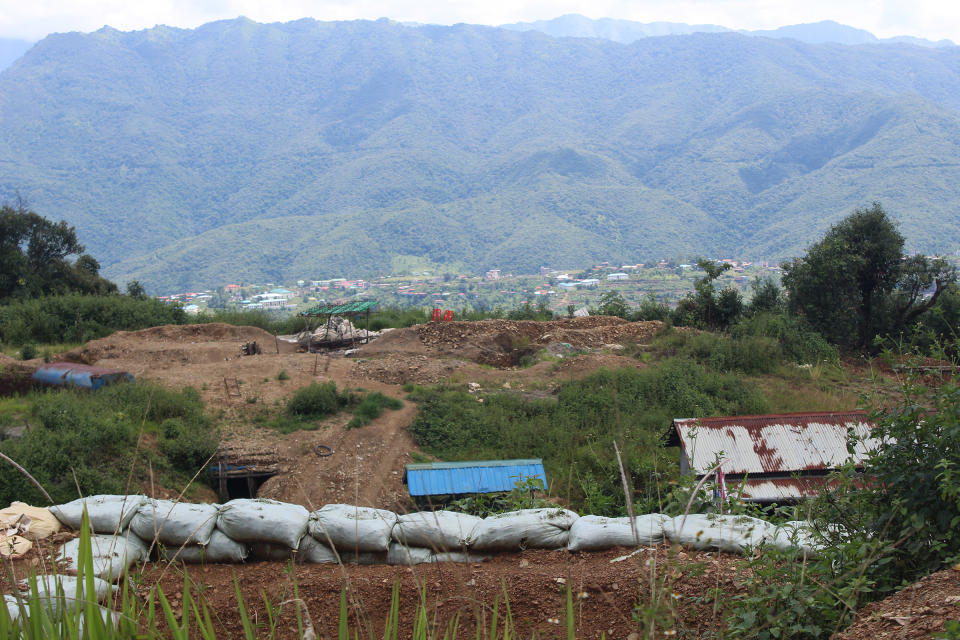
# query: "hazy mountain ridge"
x,y
628,31
268,152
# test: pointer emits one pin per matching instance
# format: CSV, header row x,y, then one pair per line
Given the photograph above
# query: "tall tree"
x,y
855,284
34,253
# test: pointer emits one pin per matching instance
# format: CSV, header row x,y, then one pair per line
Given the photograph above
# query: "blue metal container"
x,y
478,476
69,374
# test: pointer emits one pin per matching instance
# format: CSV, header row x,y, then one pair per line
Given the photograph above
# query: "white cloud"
x,y
926,18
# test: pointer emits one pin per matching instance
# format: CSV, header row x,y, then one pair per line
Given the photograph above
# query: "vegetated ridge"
x,y
250,152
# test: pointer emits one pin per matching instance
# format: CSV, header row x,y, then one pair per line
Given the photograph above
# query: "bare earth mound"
x,y
918,611
500,343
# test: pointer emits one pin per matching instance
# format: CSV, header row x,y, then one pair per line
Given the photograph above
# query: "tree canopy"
x,y
34,257
855,283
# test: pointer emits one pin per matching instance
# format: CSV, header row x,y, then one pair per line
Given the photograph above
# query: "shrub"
x,y
370,407
316,400
28,352
87,440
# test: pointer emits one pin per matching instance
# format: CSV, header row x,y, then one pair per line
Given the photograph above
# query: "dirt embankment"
x,y
916,612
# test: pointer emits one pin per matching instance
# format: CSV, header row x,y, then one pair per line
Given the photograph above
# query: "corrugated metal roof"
x,y
785,443
779,490
339,309
477,476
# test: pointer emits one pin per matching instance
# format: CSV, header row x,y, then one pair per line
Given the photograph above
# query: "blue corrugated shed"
x,y
478,476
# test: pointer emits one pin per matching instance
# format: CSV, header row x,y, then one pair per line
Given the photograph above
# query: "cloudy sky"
x,y
933,19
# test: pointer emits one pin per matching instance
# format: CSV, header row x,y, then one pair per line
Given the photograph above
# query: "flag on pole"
x,y
721,486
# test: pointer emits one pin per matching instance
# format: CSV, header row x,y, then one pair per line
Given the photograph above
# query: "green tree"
x,y
612,304
854,284
705,307
34,256
136,290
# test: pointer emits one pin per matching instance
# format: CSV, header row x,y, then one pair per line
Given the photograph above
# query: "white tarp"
x,y
733,534
590,533
351,528
263,520
799,535
220,549
108,514
175,523
112,555
524,529
438,530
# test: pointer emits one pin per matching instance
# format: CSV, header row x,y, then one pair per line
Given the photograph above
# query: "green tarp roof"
x,y
340,309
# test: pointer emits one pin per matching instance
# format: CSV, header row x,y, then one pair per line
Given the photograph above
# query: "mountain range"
x,y
240,151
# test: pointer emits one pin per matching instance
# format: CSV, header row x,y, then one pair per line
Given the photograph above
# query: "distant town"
x,y
556,289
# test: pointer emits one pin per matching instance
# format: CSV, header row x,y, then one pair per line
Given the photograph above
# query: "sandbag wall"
x,y
131,529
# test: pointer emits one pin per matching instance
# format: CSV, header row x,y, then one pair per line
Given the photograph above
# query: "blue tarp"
x,y
479,476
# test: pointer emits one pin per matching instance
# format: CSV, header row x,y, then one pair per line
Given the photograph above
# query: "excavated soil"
x,y
917,611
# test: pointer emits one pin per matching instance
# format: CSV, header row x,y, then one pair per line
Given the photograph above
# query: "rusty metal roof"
x,y
772,444
779,490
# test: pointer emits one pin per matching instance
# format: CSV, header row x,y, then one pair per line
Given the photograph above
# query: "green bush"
x,y
799,342
77,318
370,407
28,352
748,354
87,440
317,400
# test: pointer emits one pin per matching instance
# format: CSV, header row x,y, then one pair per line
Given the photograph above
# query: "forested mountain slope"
x,y
265,152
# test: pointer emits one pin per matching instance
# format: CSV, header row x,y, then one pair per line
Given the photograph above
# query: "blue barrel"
x,y
69,374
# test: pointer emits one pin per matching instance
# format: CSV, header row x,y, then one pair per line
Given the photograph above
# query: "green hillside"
x,y
241,151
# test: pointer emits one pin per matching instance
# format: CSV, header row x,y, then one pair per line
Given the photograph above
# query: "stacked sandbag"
x,y
732,534
596,533
259,520
353,529
310,551
524,529
107,514
175,524
220,549
112,555
62,593
435,530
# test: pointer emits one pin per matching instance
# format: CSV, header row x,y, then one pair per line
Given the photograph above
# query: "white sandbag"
x,y
310,551
524,529
31,522
732,534
399,554
112,555
263,520
108,514
175,523
438,530
13,608
351,528
220,550
799,535
73,589
459,556
591,533
364,557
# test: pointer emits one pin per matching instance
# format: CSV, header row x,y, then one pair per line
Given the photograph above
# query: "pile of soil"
x,y
180,344
918,611
502,343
